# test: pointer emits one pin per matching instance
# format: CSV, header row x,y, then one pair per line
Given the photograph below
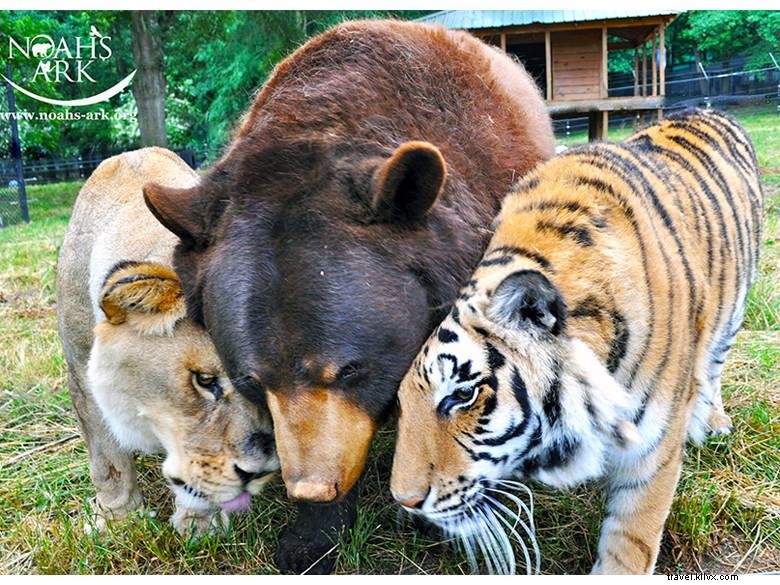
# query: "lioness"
x,y
142,376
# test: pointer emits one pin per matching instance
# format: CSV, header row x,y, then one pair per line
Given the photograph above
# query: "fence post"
x,y
16,149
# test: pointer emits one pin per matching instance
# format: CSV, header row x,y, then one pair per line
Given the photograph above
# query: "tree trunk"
x,y
149,82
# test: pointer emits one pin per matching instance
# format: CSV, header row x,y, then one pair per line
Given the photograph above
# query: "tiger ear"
x,y
406,186
146,295
181,211
527,299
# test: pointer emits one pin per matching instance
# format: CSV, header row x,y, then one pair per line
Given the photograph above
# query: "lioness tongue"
x,y
238,504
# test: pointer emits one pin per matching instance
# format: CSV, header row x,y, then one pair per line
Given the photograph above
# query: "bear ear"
x,y
527,299
181,211
406,186
146,295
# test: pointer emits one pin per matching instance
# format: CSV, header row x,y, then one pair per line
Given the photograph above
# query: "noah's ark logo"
x,y
65,61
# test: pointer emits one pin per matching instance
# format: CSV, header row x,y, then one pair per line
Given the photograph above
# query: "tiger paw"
x,y
719,423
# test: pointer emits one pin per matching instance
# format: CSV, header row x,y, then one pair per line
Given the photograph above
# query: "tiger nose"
x,y
413,502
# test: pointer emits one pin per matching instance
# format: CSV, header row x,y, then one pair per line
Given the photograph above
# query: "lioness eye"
x,y
208,385
204,379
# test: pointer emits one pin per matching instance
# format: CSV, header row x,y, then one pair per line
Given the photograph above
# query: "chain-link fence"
x,y
13,197
720,85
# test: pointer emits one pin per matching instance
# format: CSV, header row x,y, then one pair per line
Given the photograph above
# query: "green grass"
x,y
726,515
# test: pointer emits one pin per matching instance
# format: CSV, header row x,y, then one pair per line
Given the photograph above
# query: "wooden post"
x,y
662,80
548,63
597,125
636,72
503,42
654,89
604,90
644,68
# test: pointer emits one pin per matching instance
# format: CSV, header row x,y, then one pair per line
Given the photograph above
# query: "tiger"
x,y
590,341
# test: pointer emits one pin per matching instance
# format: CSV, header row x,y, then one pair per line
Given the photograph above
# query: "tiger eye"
x,y
464,394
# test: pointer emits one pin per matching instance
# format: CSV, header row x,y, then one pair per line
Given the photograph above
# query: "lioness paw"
x,y
197,523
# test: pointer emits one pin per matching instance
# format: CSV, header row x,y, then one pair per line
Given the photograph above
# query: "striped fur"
x,y
591,339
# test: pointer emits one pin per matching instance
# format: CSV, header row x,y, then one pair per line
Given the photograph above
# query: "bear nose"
x,y
315,491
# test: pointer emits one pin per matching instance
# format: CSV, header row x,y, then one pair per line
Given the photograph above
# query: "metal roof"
x,y
476,19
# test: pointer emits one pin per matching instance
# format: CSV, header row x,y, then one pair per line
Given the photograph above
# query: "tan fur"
x,y
315,467
131,351
654,243
155,302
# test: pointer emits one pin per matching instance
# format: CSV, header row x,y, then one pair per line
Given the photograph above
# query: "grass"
x,y
726,516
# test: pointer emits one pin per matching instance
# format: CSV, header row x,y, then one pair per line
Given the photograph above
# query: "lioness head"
x,y
161,387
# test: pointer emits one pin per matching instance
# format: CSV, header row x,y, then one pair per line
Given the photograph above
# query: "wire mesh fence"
x,y
13,196
719,85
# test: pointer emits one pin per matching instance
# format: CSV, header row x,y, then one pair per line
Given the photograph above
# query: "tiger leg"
x,y
639,498
709,417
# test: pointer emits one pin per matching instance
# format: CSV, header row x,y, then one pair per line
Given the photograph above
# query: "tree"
x,y
718,35
149,82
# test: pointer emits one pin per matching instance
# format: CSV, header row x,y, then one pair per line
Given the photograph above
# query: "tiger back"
x,y
591,339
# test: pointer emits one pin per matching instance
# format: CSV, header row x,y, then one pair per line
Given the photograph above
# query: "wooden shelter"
x,y
567,52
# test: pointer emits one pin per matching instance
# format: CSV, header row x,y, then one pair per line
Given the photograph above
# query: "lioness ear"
x,y
146,295
181,211
526,298
407,184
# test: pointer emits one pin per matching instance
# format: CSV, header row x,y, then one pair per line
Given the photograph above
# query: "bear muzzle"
x,y
322,440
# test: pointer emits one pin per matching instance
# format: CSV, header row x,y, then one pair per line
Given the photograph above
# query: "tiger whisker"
x,y
530,531
513,529
516,484
499,518
508,552
477,529
519,502
501,555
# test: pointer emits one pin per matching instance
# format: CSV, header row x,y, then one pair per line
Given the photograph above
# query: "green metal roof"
x,y
476,19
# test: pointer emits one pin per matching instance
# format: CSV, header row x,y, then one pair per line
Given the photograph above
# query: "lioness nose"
x,y
245,476
312,491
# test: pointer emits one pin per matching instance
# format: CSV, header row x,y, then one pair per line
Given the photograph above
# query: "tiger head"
x,y
498,389
161,387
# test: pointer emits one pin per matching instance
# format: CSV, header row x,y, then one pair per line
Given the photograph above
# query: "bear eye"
x,y
207,385
350,372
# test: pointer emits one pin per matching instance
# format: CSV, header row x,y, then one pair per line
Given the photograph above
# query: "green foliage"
x,y
215,61
721,34
238,50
